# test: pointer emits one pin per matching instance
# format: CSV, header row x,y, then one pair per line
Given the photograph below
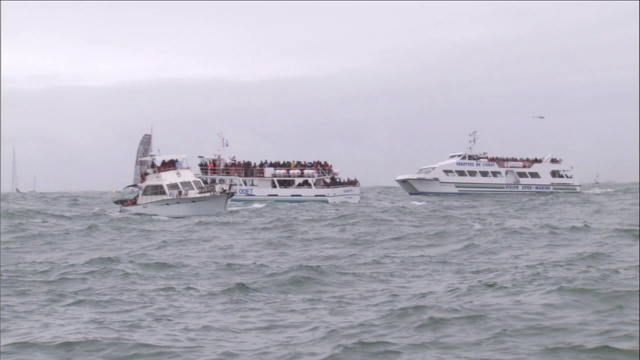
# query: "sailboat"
x,y
14,178
597,179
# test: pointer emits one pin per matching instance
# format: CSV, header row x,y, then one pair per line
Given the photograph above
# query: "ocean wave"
x,y
461,277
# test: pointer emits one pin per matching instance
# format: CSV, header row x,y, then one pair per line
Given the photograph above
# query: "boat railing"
x,y
263,173
157,170
526,164
515,164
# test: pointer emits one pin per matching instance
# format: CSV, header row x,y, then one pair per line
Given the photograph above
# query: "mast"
x,y
14,178
151,152
144,149
222,142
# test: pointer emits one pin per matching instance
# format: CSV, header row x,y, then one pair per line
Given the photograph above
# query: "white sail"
x,y
143,151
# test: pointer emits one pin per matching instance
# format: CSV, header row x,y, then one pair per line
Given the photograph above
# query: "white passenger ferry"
x,y
286,181
470,172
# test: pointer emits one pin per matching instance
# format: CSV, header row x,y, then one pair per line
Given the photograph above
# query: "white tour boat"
x,y
469,172
296,181
166,186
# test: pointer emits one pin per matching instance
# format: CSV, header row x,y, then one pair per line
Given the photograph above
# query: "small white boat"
x,y
167,187
280,181
471,172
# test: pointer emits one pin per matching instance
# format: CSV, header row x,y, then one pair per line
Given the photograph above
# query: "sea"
x,y
504,276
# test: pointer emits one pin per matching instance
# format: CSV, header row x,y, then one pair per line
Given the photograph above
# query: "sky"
x,y
378,89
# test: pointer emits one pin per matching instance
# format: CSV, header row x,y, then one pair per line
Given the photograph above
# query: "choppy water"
x,y
551,276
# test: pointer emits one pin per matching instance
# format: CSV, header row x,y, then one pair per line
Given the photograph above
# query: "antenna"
x,y
472,140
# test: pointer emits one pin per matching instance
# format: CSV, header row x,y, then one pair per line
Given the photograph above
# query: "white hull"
x,y
345,194
273,189
182,207
415,186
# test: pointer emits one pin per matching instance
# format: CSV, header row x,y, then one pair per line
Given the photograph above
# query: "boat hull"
x,y
182,207
416,186
350,194
264,189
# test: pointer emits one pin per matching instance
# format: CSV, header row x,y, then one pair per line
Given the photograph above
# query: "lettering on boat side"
x,y
481,164
528,187
245,191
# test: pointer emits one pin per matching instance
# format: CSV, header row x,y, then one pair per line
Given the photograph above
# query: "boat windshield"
x,y
425,171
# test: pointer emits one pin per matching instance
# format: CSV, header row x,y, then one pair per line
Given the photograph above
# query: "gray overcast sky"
x,y
376,88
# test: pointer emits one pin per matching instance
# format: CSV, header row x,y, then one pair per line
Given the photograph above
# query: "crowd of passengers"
x,y
247,168
339,182
165,165
512,159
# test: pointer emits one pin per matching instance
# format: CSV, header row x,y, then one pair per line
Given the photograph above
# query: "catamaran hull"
x,y
182,207
429,187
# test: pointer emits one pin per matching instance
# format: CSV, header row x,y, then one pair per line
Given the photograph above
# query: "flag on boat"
x,y
225,142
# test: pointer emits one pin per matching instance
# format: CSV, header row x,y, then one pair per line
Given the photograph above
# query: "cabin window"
x,y
472,173
461,173
449,173
187,185
522,174
153,190
485,174
173,186
556,174
199,185
497,174
534,175
285,183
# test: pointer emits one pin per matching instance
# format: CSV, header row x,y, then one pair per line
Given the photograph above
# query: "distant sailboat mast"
x,y
35,189
14,178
